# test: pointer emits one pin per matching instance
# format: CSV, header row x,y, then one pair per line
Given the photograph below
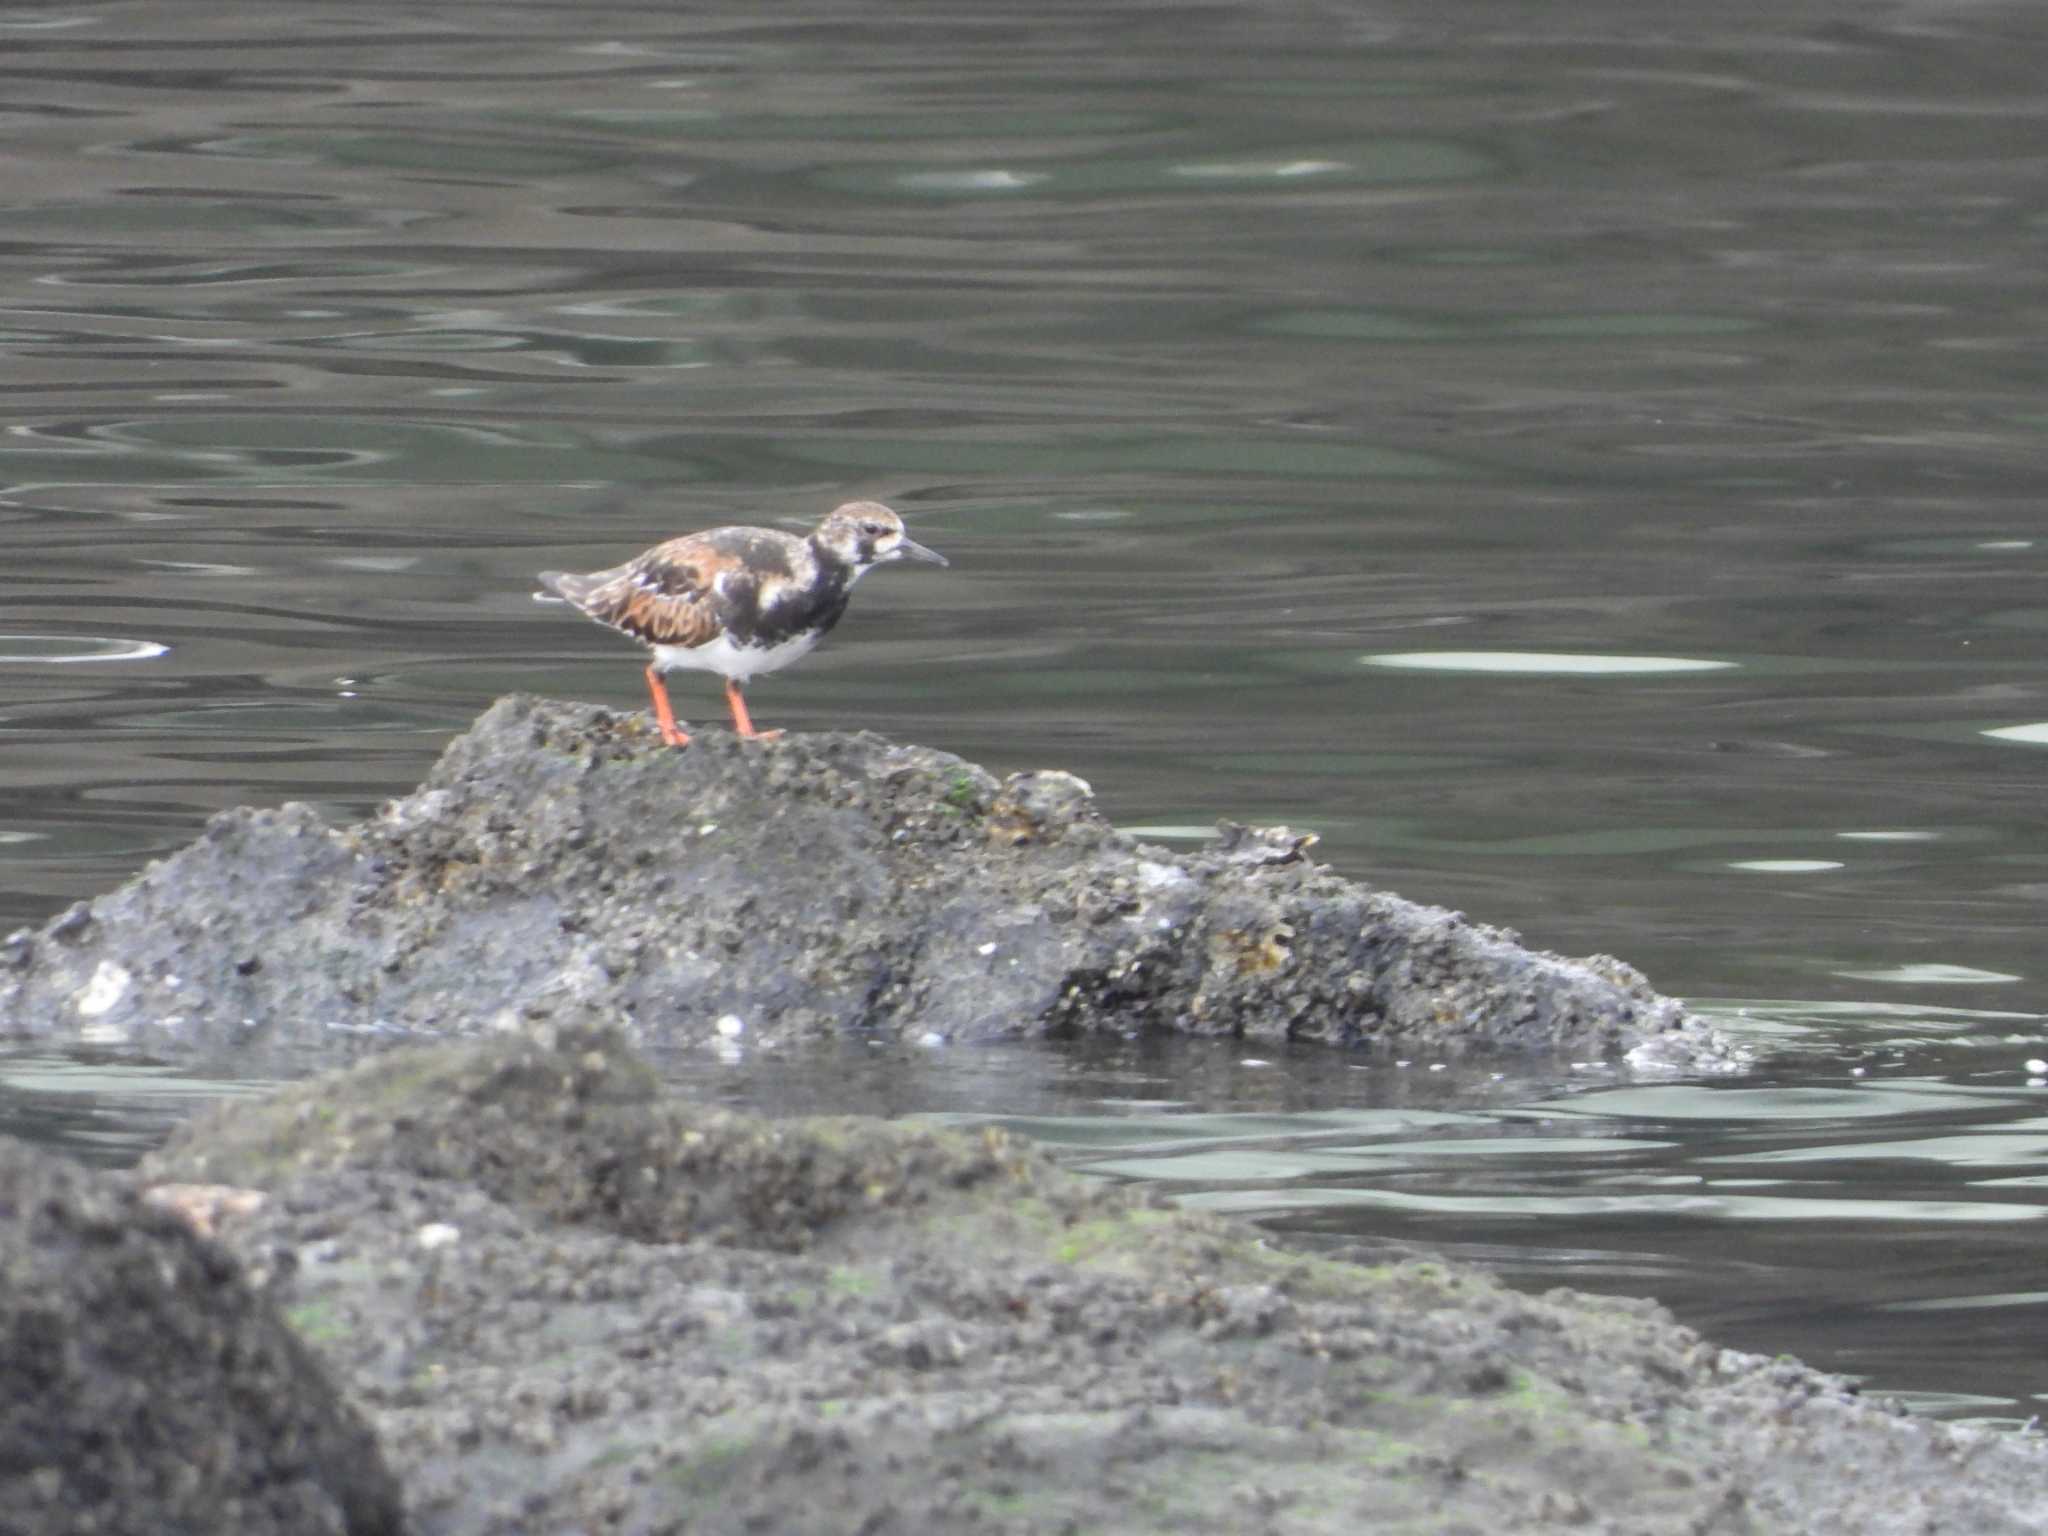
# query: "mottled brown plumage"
x,y
738,601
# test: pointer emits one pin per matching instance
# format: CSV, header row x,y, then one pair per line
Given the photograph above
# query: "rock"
x,y
145,1388
639,1315
576,1129
560,865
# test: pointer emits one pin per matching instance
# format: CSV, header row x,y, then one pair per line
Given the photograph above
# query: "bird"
x,y
740,602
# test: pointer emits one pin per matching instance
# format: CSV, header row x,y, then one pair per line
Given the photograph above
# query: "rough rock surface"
x,y
145,1388
573,1305
559,864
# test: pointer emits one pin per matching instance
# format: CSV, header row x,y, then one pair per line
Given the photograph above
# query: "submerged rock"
x,y
571,1303
559,864
145,1388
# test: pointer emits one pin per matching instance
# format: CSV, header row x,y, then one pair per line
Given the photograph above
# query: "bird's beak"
x,y
910,549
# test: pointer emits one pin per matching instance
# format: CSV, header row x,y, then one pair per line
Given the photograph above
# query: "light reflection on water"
x,y
104,1110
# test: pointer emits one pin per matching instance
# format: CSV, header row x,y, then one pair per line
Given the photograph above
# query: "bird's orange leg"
x,y
663,715
741,720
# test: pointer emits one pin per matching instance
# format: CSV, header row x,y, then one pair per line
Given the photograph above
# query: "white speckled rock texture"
x,y
560,865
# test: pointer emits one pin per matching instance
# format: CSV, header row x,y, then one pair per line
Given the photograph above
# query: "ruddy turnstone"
x,y
738,601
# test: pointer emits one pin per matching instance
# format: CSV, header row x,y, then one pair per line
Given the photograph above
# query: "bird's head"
x,y
866,533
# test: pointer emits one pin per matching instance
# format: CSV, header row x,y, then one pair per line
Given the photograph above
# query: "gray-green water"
x,y
1585,462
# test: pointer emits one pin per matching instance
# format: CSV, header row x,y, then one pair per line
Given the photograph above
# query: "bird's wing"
x,y
668,596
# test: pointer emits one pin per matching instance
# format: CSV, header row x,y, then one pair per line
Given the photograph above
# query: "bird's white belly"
x,y
738,662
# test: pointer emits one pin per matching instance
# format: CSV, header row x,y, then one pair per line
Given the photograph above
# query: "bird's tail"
x,y
563,584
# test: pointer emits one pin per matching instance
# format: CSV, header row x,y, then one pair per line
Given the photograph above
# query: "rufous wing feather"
x,y
667,596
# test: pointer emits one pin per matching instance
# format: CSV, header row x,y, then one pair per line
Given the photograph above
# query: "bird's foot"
x,y
742,722
664,716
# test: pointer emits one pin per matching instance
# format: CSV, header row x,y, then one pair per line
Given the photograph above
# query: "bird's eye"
x,y
873,530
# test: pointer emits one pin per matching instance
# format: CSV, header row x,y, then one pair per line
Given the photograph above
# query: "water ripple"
x,y
1542,663
65,649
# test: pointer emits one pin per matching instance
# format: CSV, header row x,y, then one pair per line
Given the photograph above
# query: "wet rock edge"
x,y
559,866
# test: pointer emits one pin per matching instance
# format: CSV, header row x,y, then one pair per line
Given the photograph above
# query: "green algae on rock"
x,y
681,1318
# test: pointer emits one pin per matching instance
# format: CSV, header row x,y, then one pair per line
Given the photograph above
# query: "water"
x,y
1586,465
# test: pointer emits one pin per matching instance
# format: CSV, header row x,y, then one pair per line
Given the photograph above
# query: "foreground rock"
x,y
145,1389
559,864
570,1304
